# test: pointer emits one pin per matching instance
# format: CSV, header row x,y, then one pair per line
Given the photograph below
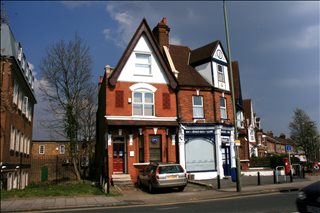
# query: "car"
x,y
308,199
163,175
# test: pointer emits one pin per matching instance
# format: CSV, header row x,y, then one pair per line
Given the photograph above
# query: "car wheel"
x,y
150,188
181,188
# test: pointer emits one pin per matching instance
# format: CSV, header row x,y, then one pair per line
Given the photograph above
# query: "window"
x,y
220,73
141,148
166,101
28,146
155,148
62,149
143,104
20,100
197,105
41,149
17,141
143,64
223,108
119,99
15,92
21,142
12,138
25,105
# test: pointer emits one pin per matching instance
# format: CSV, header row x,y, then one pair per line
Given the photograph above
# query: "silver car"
x,y
160,175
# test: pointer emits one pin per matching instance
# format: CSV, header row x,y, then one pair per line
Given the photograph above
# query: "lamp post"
x,y
233,98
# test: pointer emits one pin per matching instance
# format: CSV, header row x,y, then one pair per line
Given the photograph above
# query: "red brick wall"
x,y
126,110
228,98
185,104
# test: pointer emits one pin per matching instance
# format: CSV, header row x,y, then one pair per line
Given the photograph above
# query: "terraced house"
x,y
17,106
166,103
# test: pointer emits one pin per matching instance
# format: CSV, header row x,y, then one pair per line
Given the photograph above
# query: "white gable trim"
x,y
143,86
219,55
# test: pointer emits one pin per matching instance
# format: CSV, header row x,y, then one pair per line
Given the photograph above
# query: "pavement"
x,y
129,196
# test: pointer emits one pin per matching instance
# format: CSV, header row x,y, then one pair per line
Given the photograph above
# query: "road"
x,y
277,202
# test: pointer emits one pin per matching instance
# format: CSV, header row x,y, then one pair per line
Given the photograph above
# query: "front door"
x,y
118,157
226,160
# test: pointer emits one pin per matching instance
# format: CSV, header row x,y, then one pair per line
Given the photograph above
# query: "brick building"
x,y
137,114
166,103
17,106
50,161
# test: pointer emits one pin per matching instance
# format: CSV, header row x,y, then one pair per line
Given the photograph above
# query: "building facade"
x,y
17,106
137,114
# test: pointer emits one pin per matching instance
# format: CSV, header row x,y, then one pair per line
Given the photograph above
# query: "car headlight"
x,y
302,195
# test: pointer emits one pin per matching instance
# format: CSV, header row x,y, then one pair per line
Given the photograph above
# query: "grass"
x,y
62,189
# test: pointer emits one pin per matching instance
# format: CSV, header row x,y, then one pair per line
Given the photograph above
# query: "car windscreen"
x,y
170,169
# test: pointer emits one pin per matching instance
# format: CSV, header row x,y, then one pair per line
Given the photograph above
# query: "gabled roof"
x,y
145,30
188,76
204,54
237,85
247,104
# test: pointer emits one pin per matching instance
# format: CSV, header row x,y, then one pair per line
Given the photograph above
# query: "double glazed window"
x,y
143,103
155,148
223,108
143,64
197,105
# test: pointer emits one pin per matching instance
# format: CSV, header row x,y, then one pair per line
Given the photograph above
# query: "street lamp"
x,y
233,99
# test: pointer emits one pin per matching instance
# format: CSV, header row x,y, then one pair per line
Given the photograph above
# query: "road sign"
x,y
237,142
288,148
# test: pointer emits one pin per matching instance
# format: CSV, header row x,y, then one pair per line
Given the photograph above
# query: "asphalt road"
x,y
277,202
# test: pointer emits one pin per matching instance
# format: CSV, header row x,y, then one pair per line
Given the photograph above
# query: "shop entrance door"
x,y
118,157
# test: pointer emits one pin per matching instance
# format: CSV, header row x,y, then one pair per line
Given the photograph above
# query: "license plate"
x,y
313,209
172,177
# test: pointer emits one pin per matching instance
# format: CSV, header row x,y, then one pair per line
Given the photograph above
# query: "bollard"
x,y
218,181
290,176
259,182
274,177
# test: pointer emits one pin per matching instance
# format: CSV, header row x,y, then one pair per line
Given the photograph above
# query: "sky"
x,y
276,44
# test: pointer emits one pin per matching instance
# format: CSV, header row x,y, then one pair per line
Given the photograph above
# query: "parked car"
x,y
308,199
163,175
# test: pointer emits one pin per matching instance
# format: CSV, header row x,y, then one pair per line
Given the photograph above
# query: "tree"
x,y
305,134
68,88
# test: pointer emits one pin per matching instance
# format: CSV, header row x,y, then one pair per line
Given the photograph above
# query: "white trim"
x,y
141,118
138,86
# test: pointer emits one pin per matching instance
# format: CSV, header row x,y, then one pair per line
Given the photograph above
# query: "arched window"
x,y
143,99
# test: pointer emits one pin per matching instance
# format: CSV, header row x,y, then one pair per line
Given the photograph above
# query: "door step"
x,y
121,179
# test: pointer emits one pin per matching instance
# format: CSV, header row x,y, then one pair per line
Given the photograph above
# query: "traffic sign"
x,y
288,148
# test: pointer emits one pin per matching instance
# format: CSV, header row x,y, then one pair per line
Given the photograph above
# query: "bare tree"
x,y
305,134
66,71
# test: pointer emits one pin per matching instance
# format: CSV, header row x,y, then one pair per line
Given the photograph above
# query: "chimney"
x,y
108,70
161,32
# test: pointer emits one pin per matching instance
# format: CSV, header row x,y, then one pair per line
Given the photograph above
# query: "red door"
x,y
118,157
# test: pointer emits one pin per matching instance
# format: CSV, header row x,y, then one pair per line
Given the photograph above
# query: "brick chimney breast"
x,y
161,32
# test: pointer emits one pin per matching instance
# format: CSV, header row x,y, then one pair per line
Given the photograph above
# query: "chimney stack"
x,y
108,70
161,32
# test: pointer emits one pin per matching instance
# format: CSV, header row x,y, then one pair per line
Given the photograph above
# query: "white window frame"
x,y
28,146
143,66
223,109
21,142
25,105
221,77
42,149
17,144
12,138
20,99
195,108
15,91
142,103
62,149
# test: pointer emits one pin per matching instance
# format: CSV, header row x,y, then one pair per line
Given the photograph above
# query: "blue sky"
x,y
276,44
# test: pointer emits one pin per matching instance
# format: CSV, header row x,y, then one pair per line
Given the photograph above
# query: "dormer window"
x,y
143,64
220,73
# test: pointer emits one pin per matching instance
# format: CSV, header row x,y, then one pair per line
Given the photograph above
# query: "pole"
x,y
233,98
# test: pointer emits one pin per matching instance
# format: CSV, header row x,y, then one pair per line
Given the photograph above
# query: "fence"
x,y
51,169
